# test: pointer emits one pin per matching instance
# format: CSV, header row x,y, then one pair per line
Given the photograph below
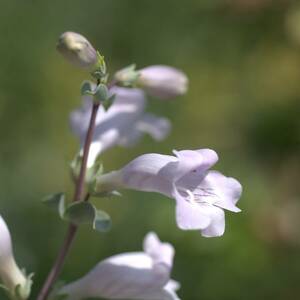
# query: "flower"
x,y
123,124
14,280
162,81
135,275
77,50
200,194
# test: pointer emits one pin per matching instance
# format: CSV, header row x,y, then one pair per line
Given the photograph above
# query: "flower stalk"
x,y
78,195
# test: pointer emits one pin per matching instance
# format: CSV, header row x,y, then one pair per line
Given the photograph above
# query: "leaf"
x,y
101,93
102,221
108,102
80,212
86,88
85,212
94,171
56,202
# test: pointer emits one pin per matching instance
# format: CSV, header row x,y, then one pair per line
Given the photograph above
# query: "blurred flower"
x,y
14,280
136,275
77,50
200,195
123,124
162,81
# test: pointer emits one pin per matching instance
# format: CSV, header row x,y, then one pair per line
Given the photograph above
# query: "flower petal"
x,y
111,125
225,191
163,81
190,215
217,225
188,161
145,173
5,241
127,276
158,251
157,127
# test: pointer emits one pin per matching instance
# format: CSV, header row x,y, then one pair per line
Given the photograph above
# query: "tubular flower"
x,y
123,124
136,275
162,81
12,277
200,194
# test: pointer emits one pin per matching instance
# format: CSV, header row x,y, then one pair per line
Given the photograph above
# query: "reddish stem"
x,y
79,189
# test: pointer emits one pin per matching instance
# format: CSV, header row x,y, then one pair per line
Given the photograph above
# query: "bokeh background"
x,y
243,61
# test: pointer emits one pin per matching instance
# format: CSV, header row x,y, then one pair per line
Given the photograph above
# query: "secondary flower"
x,y
162,81
136,275
12,277
77,50
200,194
123,124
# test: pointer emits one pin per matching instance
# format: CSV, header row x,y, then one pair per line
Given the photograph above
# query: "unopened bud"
x,y
12,277
163,81
77,50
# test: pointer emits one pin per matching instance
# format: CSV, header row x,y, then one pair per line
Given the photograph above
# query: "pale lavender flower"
x,y
77,50
123,124
162,81
200,194
135,275
10,274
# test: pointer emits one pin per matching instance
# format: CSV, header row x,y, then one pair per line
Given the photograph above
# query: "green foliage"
x,y
56,202
85,212
79,212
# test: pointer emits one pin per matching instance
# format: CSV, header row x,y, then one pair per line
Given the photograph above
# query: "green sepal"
x,y
86,88
95,170
127,76
23,292
85,212
99,70
101,93
56,202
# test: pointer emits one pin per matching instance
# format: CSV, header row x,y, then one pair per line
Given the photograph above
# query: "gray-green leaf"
x,y
86,88
85,212
56,202
80,212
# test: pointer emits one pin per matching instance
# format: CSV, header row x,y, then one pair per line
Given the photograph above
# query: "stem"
x,y
79,189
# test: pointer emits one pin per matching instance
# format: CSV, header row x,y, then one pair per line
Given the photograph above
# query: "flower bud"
x,y
12,277
77,50
162,81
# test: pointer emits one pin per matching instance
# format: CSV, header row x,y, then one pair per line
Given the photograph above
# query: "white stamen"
x,y
191,197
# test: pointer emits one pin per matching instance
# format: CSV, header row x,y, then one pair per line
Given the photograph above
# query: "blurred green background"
x,y
243,61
